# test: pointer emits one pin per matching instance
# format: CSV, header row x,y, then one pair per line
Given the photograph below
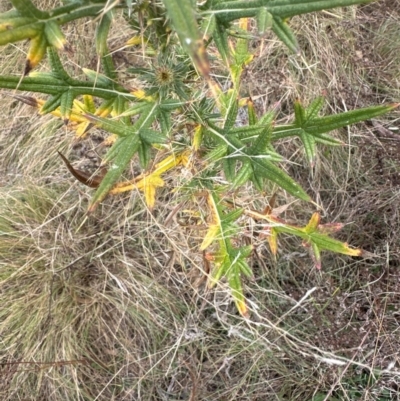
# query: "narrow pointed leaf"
x,y
54,35
66,102
144,154
324,242
221,41
316,255
164,119
232,216
37,50
51,104
232,111
237,293
218,153
272,239
211,235
243,174
121,161
275,174
329,123
264,20
244,267
27,9
229,165
313,223
309,147
102,31
97,77
57,66
182,14
150,136
285,34
299,113
314,108
251,112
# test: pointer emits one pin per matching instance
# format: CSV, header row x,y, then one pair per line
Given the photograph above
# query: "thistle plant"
x,y
180,36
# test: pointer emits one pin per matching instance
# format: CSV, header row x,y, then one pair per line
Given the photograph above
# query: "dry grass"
x,y
114,307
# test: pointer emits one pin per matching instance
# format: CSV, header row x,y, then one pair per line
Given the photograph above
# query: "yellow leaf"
x,y
140,94
242,308
211,235
110,140
150,195
313,223
37,50
197,137
351,251
273,241
134,41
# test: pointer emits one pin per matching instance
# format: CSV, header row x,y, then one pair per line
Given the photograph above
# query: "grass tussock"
x,y
114,306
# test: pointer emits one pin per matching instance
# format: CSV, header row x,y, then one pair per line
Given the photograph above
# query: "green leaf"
x,y
164,119
182,14
229,166
309,147
243,174
66,102
54,35
314,108
126,152
232,216
27,9
57,67
217,153
285,34
231,113
299,114
227,11
312,129
102,31
221,41
51,104
115,127
328,123
264,20
273,173
96,77
260,145
28,22
144,152
251,112
150,136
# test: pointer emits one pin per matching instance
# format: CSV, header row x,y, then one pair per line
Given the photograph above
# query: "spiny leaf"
x,y
313,223
54,35
227,11
52,103
27,9
237,293
221,41
251,112
182,14
102,34
273,173
264,20
131,144
328,123
37,50
309,147
285,34
314,108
